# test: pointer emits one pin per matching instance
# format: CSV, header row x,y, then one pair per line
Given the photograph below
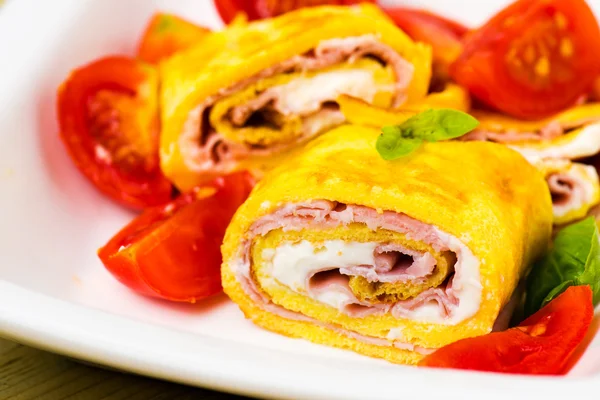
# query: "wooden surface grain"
x,y
27,373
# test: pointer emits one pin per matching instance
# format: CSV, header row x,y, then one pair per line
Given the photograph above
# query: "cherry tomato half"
x,y
443,34
167,34
260,9
108,117
541,345
173,252
533,59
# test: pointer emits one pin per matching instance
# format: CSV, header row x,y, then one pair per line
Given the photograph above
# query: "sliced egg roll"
x,y
551,144
274,84
391,259
575,188
572,134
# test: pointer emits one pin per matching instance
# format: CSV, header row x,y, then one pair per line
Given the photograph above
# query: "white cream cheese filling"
x,y
305,95
291,264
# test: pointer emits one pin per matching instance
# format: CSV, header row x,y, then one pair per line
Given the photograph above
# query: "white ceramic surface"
x,y
55,294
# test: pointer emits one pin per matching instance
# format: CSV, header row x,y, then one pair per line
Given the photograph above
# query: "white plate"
x,y
55,294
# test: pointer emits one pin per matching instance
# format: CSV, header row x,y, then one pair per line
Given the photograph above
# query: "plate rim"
x,y
46,322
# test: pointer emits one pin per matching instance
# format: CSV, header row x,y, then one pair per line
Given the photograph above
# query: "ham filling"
x,y
550,131
204,149
394,263
450,304
572,189
563,188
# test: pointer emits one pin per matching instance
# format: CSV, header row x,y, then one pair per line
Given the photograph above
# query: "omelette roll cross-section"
x,y
273,86
389,259
575,188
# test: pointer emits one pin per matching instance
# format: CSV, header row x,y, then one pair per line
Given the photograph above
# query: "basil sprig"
x,y
573,260
428,126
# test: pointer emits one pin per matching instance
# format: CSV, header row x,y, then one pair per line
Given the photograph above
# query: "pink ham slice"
x,y
568,192
551,131
332,281
206,150
563,188
394,263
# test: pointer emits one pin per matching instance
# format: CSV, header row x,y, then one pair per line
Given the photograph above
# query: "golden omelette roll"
x,y
575,188
273,84
551,144
391,259
571,135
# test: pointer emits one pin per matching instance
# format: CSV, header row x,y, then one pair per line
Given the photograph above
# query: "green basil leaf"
x,y
430,125
440,124
391,146
573,260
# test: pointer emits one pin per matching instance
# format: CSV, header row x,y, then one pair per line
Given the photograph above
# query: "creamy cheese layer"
x,y
292,264
305,95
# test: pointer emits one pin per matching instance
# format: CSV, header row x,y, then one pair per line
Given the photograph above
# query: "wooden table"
x,y
27,373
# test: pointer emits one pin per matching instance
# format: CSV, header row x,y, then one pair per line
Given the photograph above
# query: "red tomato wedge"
x,y
443,34
259,9
173,252
541,345
532,59
167,34
595,93
108,117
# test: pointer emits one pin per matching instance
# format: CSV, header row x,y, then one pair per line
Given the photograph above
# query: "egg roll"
x,y
575,188
551,144
571,134
390,259
252,94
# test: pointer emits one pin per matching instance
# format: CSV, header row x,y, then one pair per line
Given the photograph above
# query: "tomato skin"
x,y
541,345
532,59
167,34
260,9
108,118
444,35
173,252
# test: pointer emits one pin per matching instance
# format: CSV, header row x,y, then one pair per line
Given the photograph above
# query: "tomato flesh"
x,y
108,117
173,251
532,59
542,344
260,9
167,34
